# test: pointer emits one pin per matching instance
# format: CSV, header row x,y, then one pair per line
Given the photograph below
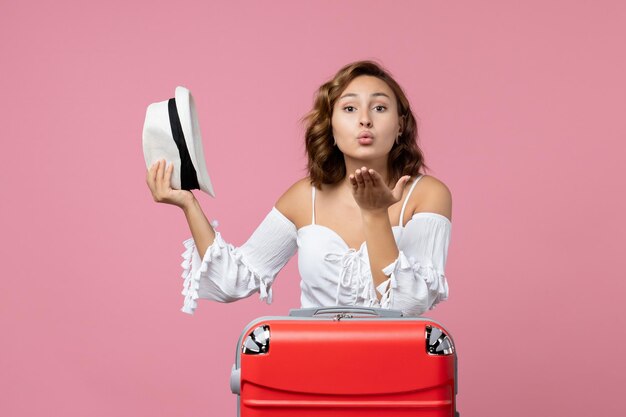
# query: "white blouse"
x,y
332,273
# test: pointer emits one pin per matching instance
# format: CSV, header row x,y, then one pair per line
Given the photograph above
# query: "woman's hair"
x,y
325,161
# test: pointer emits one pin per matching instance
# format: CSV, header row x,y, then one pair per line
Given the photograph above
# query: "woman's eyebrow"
x,y
371,95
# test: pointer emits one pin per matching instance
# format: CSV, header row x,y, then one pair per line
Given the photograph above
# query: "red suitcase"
x,y
345,362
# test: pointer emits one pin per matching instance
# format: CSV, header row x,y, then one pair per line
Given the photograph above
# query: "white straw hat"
x,y
171,132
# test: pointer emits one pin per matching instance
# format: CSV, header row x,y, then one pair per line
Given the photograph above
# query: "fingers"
x,y
158,179
150,176
377,180
353,181
359,178
151,180
363,177
168,174
398,189
160,169
367,177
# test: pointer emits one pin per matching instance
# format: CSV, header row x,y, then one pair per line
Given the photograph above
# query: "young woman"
x,y
369,228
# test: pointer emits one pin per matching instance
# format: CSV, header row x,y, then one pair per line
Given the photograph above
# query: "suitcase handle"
x,y
319,311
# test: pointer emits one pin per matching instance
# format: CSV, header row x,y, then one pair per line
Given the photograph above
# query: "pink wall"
x,y
521,108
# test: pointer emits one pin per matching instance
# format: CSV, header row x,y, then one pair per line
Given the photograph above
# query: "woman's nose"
x,y
365,119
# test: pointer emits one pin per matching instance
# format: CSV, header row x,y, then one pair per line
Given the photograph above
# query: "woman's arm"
x,y
374,198
214,269
381,245
158,179
417,278
201,230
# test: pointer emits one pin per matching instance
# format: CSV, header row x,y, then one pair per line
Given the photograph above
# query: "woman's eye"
x,y
349,108
380,108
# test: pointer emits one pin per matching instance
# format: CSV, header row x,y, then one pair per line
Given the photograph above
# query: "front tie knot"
x,y
351,264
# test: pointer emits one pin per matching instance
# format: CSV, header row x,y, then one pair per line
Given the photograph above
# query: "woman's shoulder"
x,y
295,203
433,196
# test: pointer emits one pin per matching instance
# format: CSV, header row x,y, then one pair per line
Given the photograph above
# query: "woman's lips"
x,y
365,138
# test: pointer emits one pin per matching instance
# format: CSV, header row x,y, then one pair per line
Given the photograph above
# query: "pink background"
x,y
521,109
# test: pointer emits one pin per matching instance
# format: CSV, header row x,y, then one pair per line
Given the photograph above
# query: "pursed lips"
x,y
365,138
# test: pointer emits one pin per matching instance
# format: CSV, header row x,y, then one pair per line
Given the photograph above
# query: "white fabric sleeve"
x,y
227,273
416,278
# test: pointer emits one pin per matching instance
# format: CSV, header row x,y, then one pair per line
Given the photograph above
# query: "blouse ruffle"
x,y
412,287
227,289
226,273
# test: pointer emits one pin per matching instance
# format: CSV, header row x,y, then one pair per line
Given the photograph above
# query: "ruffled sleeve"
x,y
417,280
227,273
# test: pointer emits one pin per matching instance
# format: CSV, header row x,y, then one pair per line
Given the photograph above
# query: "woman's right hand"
x,y
158,179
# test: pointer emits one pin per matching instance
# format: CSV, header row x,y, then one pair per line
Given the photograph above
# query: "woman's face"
x,y
365,120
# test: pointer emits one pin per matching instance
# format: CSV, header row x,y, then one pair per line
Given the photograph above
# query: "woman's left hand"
x,y
371,193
